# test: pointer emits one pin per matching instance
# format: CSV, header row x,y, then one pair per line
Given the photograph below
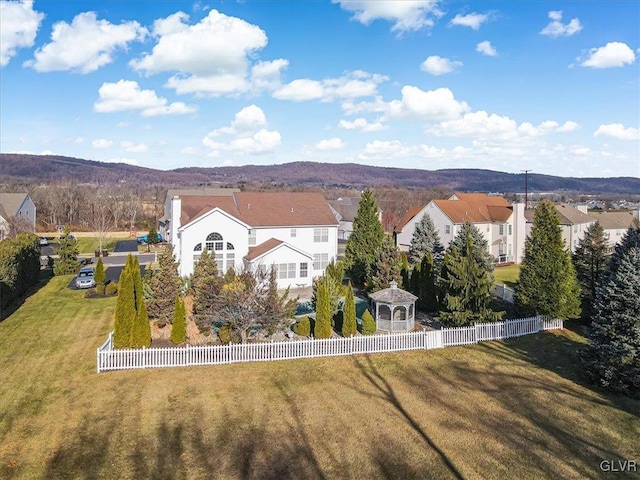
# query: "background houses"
x,y
16,207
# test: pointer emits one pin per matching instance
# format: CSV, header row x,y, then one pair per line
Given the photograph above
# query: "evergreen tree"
x,y
405,272
427,290
415,280
67,261
547,284
426,240
631,239
349,325
612,358
365,241
322,327
125,308
99,277
333,276
161,287
141,330
206,285
387,266
590,261
480,243
466,299
179,328
152,236
368,323
275,307
302,327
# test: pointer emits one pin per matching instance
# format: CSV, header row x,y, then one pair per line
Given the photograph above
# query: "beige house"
x,y
502,224
17,205
574,222
614,223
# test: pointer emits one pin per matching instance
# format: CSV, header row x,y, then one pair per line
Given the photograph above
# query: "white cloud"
x,y
351,85
613,54
487,49
85,45
249,132
432,105
330,144
19,24
361,125
496,128
568,126
211,57
101,144
133,147
405,15
556,28
126,95
78,140
436,65
619,131
189,151
266,75
471,20
384,150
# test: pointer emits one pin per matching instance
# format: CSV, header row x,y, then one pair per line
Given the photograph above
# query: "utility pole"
x,y
526,188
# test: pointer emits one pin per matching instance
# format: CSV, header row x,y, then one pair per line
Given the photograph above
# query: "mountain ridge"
x,y
27,168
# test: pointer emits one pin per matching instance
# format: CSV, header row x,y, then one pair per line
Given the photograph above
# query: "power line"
x,y
526,188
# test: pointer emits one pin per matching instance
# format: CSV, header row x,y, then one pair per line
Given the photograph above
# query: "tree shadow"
x,y
43,279
386,392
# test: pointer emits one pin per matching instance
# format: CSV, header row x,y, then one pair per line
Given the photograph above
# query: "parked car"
x,y
85,279
44,242
145,238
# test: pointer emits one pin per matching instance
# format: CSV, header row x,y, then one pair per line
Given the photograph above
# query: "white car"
x,y
44,242
85,279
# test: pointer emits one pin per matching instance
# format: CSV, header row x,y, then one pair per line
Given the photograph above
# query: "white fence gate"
x,y
109,358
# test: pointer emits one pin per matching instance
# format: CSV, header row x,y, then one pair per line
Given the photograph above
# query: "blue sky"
x,y
551,87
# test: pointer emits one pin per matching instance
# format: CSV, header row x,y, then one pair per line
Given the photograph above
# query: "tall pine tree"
x,y
161,286
322,328
67,252
141,330
466,288
387,266
206,286
480,244
427,290
349,325
612,358
179,322
426,240
547,284
99,277
365,241
590,261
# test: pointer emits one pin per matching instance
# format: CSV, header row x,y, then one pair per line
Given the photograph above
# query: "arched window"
x,y
198,248
230,246
214,242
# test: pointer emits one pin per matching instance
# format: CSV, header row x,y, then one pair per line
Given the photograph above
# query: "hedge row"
x,y
19,266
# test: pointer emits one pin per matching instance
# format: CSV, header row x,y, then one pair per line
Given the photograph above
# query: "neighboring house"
x,y
574,222
501,223
17,205
163,223
296,232
614,223
345,210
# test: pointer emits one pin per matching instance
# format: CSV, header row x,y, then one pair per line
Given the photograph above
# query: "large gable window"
x,y
224,251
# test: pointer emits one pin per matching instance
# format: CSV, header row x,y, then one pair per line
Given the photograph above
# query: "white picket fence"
x,y
109,358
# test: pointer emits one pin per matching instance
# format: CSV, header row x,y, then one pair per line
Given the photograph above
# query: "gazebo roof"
x,y
393,295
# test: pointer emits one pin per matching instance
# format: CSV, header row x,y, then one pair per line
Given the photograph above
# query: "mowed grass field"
x,y
507,275
514,409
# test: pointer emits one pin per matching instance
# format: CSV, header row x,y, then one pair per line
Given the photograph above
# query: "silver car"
x,y
85,279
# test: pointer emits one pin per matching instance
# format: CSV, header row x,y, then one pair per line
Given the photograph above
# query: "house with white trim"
x,y
18,205
574,223
346,210
615,224
296,232
502,224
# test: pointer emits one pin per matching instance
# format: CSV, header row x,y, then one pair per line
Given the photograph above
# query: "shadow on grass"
x,y
43,278
561,429
388,465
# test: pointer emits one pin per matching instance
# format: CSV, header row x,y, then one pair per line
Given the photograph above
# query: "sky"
x,y
547,86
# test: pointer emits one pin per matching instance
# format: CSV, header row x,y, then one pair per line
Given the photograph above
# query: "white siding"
x,y
283,255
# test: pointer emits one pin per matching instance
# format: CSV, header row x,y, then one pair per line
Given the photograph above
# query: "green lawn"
x,y
507,275
514,409
88,245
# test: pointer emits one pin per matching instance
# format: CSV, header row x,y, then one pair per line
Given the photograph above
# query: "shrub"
x,y
179,328
111,288
90,293
227,335
368,323
302,327
99,276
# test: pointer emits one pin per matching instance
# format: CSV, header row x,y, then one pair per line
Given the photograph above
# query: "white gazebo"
x,y
395,309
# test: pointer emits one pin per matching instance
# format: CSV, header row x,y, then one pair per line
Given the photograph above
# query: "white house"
x,y
296,232
18,205
574,222
501,223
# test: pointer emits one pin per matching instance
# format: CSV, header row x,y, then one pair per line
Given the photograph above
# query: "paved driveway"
x,y
126,246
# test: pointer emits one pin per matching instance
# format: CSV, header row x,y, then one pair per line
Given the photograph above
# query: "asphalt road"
x,y
48,250
126,246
